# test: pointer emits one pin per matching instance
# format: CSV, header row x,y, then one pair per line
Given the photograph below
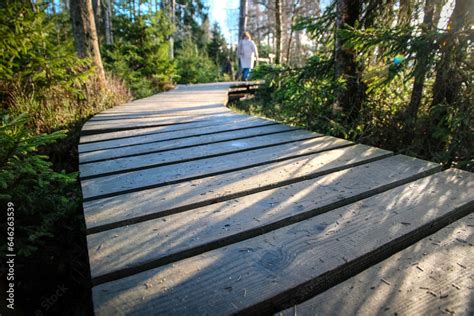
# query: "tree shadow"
x,y
277,245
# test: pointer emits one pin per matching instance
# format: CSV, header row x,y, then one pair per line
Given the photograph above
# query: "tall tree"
x,y
278,31
172,14
294,15
85,35
349,100
243,12
108,7
448,81
432,12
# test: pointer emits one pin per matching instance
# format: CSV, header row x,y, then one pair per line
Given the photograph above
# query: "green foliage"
x,y
194,67
300,96
387,58
192,22
27,180
30,55
140,54
217,47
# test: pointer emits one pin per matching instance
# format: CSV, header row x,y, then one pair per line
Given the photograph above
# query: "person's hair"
x,y
246,35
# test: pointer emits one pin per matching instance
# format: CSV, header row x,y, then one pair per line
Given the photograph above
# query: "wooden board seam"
x,y
174,138
174,162
257,231
187,146
162,184
222,198
323,282
120,129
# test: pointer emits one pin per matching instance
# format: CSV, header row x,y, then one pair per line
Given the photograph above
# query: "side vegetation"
x,y
392,74
51,82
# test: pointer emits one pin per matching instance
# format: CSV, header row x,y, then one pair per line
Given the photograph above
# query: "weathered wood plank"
x,y
227,120
157,157
208,110
270,271
146,179
181,143
102,127
124,250
141,116
432,277
153,203
160,136
142,121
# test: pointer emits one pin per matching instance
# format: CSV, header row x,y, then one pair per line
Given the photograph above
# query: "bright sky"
x,y
221,11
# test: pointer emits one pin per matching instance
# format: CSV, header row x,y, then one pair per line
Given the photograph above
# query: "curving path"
x,y
192,209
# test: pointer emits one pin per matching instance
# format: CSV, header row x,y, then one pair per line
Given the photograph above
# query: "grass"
x,y
55,279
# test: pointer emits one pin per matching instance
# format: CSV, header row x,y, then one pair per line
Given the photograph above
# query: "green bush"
x,y
27,179
140,54
195,67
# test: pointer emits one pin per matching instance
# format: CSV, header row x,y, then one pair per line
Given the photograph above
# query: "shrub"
x,y
193,66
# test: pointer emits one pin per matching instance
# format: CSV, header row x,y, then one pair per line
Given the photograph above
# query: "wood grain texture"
x,y
101,137
193,209
435,276
151,137
269,271
189,142
127,208
158,176
156,158
166,239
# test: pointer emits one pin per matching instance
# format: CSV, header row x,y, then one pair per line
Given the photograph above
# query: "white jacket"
x,y
247,51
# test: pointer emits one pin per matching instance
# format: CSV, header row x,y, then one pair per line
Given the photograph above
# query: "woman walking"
x,y
248,53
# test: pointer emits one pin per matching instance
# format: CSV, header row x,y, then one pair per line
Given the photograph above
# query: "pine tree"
x,y
85,35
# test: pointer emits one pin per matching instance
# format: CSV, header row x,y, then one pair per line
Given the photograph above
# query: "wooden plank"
x,y
137,115
270,271
432,277
228,120
181,143
150,178
166,113
156,116
138,206
101,127
125,250
157,158
160,136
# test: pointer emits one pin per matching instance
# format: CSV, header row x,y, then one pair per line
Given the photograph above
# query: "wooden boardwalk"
x,y
192,209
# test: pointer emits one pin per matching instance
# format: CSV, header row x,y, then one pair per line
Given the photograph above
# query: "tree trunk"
x,y
404,12
109,38
97,9
446,83
172,14
85,35
278,31
243,17
350,99
294,14
422,60
257,21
